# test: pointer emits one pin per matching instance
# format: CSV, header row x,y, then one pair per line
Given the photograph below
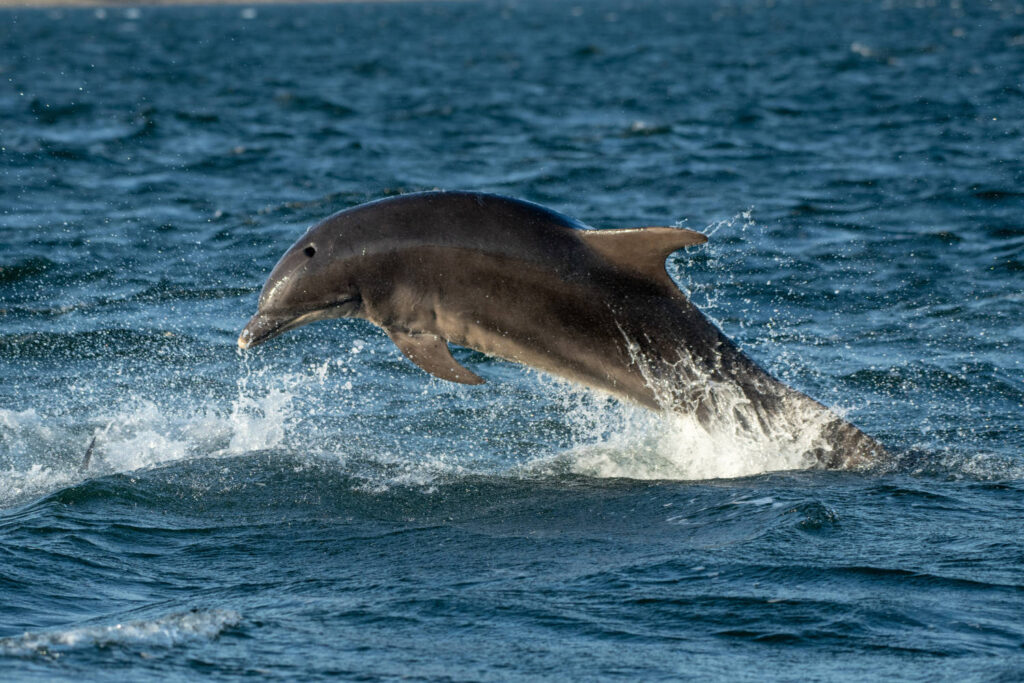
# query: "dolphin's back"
x,y
487,224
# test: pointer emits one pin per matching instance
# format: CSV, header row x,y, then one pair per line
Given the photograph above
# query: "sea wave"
x,y
162,632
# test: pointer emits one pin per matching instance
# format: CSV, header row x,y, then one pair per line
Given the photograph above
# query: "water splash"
x,y
618,440
45,452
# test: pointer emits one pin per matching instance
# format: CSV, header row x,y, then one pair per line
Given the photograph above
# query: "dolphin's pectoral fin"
x,y
431,353
642,250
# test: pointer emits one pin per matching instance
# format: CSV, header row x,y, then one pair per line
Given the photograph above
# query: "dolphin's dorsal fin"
x,y
642,250
431,353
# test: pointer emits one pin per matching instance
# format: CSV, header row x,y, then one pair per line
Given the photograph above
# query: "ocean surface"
x,y
320,508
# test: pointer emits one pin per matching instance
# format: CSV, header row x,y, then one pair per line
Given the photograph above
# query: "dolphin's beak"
x,y
261,328
265,326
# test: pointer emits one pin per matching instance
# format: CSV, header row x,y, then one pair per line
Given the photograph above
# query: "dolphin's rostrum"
x,y
518,281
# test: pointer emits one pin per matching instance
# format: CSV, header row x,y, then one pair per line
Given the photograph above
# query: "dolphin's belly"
x,y
578,338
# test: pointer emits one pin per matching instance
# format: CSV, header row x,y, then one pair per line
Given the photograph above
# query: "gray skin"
x,y
518,281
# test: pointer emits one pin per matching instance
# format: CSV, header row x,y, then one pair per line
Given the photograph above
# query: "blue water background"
x,y
321,508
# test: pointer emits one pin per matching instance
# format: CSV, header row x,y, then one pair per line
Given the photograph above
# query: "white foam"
x,y
630,442
258,423
18,429
145,434
167,631
21,432
46,453
18,484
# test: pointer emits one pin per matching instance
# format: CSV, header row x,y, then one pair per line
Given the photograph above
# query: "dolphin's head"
x,y
309,283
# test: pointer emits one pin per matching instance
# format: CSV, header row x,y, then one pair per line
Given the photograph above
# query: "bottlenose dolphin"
x,y
519,281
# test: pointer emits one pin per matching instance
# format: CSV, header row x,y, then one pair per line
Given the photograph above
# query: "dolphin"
x,y
518,281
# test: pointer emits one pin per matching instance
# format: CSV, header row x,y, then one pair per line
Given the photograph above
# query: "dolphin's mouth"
x,y
260,328
263,327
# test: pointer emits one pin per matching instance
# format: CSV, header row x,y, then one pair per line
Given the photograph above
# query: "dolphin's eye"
x,y
309,251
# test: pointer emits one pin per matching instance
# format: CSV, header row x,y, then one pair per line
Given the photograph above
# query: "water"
x,y
320,507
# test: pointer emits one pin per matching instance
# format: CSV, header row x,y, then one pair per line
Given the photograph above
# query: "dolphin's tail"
x,y
851,449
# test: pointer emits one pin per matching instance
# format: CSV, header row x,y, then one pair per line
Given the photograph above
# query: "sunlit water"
x,y
320,507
